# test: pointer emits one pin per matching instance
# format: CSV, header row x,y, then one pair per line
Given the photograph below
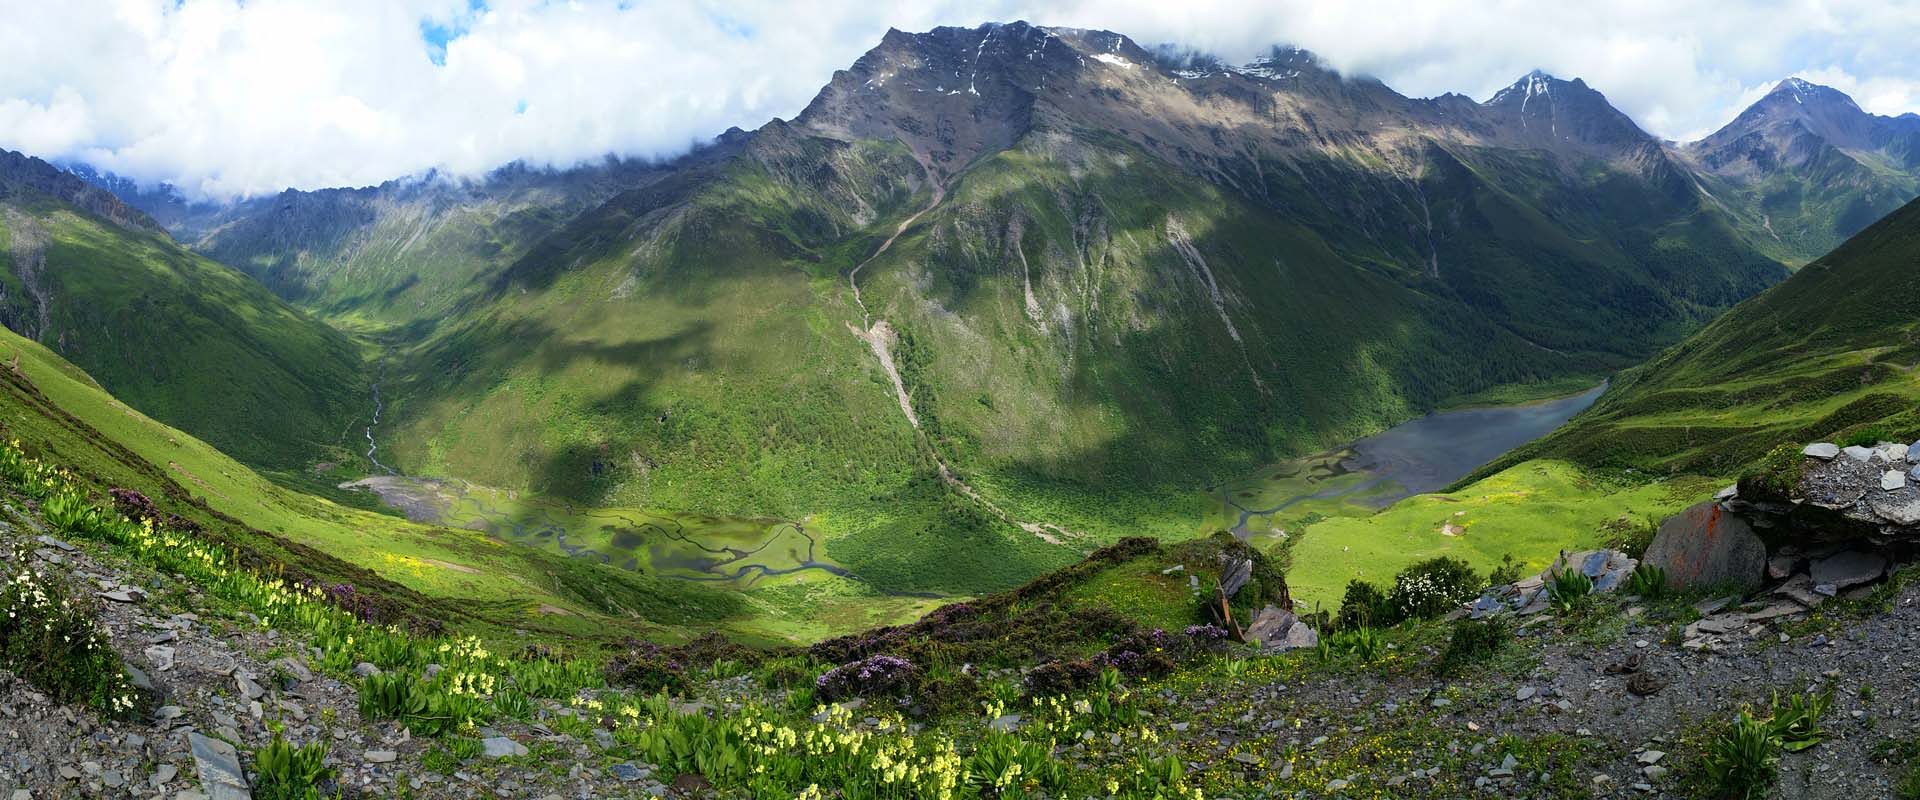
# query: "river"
x,y
1429,453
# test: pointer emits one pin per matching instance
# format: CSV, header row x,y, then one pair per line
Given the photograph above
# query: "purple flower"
x,y
873,675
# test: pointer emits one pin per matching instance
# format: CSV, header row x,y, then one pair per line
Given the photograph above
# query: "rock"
x,y
365,670
1712,606
1858,453
1650,757
124,595
1849,568
1825,451
1892,452
1900,508
1777,610
1509,763
1524,693
1173,569
1654,772
163,776
248,688
219,768
1005,723
1892,480
1704,546
1278,629
160,657
1779,567
626,772
1234,575
139,679
381,756
1726,493
502,747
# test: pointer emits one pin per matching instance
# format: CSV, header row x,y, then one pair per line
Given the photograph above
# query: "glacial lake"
x,y
1414,457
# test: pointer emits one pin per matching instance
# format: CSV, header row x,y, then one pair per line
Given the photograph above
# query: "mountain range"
x,y
1004,292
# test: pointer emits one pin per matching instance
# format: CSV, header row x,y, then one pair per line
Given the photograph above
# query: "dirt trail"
x,y
880,338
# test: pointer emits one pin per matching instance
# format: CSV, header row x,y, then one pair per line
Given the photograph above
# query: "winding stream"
x,y
1429,453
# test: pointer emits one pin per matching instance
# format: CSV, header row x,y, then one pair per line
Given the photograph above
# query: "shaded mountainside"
x,y
1828,353
1116,276
183,338
1806,168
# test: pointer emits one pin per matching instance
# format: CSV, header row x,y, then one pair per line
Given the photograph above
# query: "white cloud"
x,y
223,97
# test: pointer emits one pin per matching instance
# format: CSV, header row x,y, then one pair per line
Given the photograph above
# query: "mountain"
x,y
1828,353
187,340
1089,283
1807,168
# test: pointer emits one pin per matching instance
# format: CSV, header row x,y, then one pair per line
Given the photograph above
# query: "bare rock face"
x,y
1706,546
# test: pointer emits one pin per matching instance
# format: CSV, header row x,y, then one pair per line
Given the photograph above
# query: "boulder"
x,y
1849,568
1705,546
1858,453
1825,451
1234,575
1277,629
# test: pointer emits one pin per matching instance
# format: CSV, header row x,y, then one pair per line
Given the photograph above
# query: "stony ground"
x,y
1613,700
222,679
1561,704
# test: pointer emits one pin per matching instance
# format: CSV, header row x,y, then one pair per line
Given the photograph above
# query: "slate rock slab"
x,y
1849,568
219,768
1705,546
1825,451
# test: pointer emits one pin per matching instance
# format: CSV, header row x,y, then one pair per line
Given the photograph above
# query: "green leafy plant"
x,y
1740,761
1430,589
1796,719
48,637
1363,643
1509,571
1648,581
1568,589
284,772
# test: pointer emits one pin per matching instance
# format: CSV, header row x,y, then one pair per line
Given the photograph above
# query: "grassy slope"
x,y
460,577
1829,351
189,341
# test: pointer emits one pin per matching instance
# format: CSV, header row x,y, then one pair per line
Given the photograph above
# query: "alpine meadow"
x,y
1026,411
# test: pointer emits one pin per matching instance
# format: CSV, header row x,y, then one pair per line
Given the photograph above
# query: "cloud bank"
x,y
224,98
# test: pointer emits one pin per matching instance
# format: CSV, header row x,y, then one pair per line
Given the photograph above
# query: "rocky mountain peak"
x,y
1552,110
21,174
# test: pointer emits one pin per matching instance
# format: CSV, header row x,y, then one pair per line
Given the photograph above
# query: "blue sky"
x,y
225,98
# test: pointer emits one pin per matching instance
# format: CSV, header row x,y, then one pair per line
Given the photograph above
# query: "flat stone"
x,y
502,747
138,678
1523,693
160,656
1650,757
1727,492
248,688
219,768
124,595
1704,546
1711,606
1892,452
381,756
1858,453
1654,772
1892,480
1825,451
1849,568
626,772
365,669
56,544
1776,611
164,775
1005,723
1900,507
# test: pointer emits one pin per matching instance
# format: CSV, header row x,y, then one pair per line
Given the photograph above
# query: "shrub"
x,y
1866,437
284,772
48,637
1569,589
1149,654
1777,475
1473,642
1362,606
1508,572
647,668
1056,678
1431,588
869,677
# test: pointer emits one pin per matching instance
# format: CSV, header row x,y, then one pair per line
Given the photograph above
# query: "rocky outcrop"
x,y
1705,546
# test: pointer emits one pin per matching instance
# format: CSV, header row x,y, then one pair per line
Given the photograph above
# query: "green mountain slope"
x,y
1828,352
436,576
180,337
